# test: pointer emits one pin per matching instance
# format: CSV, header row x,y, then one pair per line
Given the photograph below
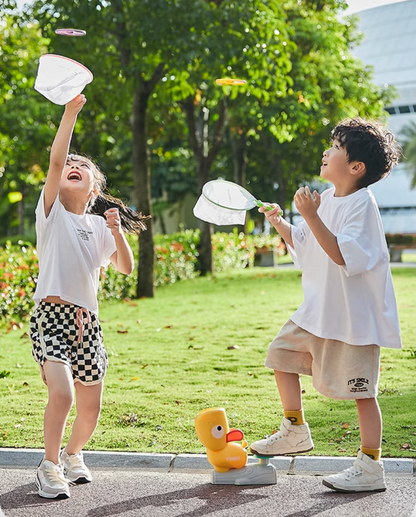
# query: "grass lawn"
x,y
199,344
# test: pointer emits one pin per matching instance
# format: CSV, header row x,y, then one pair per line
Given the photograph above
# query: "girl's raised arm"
x,y
60,149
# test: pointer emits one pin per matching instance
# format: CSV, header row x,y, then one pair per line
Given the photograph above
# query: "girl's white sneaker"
x,y
50,481
75,470
366,475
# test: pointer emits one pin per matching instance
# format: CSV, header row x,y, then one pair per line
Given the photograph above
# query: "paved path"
x,y
131,493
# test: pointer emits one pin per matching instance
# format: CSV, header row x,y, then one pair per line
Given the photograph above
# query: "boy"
x,y
349,309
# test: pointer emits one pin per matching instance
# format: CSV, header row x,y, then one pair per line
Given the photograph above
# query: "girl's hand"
x,y
272,215
75,106
306,203
112,216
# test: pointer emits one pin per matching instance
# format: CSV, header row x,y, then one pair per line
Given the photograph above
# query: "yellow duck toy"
x,y
211,426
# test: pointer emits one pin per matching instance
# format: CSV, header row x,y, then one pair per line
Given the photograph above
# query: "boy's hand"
x,y
75,106
113,221
306,203
272,215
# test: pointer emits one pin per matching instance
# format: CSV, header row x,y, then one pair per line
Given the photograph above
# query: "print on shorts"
x,y
358,385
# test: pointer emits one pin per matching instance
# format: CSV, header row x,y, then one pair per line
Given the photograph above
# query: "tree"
x,y
135,44
25,124
408,137
327,84
247,39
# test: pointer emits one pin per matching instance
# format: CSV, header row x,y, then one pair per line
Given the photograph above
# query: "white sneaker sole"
x,y
271,455
354,490
59,495
79,481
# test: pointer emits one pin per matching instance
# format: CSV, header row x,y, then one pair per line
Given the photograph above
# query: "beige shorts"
x,y
338,370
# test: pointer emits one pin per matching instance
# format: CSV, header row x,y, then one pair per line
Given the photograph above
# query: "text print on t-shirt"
x,y
83,234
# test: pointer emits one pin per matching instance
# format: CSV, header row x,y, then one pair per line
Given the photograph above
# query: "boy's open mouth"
x,y
74,176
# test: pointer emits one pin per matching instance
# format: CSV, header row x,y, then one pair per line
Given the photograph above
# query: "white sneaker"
x,y
291,439
75,469
51,482
366,475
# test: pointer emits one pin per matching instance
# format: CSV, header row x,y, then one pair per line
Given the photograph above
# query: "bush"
x,y
401,239
176,259
18,274
176,256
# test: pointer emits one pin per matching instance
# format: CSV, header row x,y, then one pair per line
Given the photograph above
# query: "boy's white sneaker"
x,y
291,439
75,470
366,475
50,481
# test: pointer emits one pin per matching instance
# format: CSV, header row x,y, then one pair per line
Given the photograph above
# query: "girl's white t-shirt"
x,y
354,303
71,250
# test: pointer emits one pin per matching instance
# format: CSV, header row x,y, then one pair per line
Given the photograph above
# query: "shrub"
x,y
401,239
176,259
176,256
18,275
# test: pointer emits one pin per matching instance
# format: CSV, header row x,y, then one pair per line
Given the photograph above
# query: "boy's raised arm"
x,y
59,150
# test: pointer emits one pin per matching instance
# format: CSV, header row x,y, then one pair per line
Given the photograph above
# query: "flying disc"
x,y
61,79
230,82
70,32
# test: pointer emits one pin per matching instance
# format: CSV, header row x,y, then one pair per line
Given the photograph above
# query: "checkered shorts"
x,y
71,335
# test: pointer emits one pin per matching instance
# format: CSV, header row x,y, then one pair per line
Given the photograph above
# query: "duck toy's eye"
x,y
217,431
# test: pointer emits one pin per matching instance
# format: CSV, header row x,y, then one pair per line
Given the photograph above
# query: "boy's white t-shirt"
x,y
354,303
71,250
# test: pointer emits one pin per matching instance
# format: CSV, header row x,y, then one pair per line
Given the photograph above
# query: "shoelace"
x,y
274,437
75,460
55,473
352,472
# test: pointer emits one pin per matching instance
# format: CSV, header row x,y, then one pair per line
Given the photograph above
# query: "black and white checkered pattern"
x,y
54,334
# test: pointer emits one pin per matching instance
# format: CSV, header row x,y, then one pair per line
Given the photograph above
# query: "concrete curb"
x,y
185,463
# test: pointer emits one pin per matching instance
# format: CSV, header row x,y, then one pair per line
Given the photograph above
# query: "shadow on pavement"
x,y
217,498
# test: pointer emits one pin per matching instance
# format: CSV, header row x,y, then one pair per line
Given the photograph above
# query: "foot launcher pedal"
x,y
261,473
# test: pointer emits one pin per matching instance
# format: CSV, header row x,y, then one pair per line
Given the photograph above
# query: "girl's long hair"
x,y
131,221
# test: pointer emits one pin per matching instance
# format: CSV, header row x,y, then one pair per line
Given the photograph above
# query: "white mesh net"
x,y
61,79
218,215
223,203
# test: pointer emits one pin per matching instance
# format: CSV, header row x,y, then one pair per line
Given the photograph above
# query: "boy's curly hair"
x,y
369,142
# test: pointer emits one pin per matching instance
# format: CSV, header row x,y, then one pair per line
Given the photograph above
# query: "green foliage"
x,y
408,137
176,256
403,239
18,274
176,259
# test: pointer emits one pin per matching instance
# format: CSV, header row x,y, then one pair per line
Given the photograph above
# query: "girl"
x,y
73,242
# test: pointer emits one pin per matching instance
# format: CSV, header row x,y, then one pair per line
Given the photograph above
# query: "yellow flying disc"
x,y
230,82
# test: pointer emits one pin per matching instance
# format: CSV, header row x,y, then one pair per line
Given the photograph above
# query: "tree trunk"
x,y
141,185
204,156
206,262
141,180
276,171
239,145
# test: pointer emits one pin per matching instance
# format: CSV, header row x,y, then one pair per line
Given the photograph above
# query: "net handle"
x,y
268,207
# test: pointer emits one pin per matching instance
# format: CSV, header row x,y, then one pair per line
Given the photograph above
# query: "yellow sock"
x,y
374,454
296,417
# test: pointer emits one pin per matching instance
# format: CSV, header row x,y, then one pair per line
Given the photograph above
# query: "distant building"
x,y
389,45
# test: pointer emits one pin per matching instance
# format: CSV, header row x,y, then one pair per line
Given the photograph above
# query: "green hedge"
x,y
176,259
401,239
